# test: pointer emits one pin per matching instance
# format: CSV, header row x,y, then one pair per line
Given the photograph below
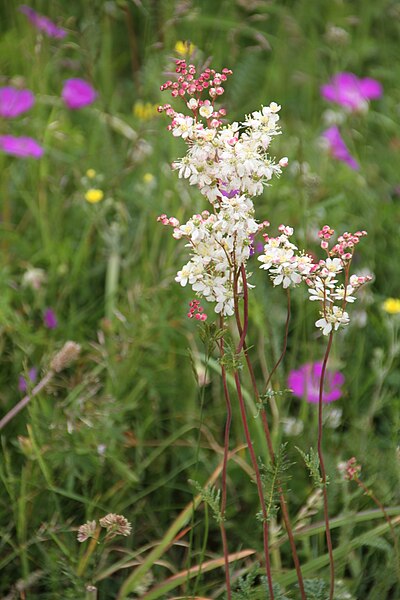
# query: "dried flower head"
x,y
86,531
68,353
115,525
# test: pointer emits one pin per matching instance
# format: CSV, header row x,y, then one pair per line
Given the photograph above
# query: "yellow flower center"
x,y
94,195
184,48
392,306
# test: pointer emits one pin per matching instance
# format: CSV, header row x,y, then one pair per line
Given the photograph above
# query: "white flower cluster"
x,y
220,244
333,296
232,159
288,267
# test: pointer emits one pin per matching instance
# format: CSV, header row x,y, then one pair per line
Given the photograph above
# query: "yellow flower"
x,y
392,306
184,48
144,110
91,173
148,177
94,195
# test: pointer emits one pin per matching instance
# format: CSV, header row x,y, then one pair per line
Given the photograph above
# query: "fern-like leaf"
x,y
312,463
212,497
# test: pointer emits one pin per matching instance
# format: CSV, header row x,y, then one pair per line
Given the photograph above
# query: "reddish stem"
x,y
224,467
282,500
242,332
258,481
323,471
245,308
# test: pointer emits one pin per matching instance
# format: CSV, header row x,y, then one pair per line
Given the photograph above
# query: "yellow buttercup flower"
x,y
184,48
144,110
94,195
392,306
91,173
148,178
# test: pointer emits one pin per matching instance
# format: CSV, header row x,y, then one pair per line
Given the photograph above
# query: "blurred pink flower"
x,y
305,383
78,93
22,147
14,102
50,319
351,92
338,148
22,382
43,23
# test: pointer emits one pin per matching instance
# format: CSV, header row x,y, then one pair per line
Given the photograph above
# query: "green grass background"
x,y
119,431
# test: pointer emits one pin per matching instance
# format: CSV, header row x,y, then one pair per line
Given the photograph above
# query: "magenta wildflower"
x,y
351,92
43,23
50,319
22,382
14,102
78,93
338,148
22,147
305,383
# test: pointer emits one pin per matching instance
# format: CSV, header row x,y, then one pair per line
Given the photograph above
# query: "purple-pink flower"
x,y
14,102
78,93
50,319
338,148
350,91
22,382
305,381
43,23
23,147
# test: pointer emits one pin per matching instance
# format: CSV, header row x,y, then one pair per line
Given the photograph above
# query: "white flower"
x,y
182,126
332,320
334,265
286,274
206,110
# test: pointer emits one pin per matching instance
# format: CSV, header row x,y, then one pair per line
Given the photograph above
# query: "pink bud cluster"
x,y
345,244
352,469
188,85
187,82
196,311
168,220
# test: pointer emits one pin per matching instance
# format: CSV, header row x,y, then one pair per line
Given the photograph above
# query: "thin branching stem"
x,y
224,466
282,500
258,482
323,471
242,332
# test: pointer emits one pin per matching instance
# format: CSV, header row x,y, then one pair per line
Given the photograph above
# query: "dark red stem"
x,y
323,471
259,484
282,500
224,467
